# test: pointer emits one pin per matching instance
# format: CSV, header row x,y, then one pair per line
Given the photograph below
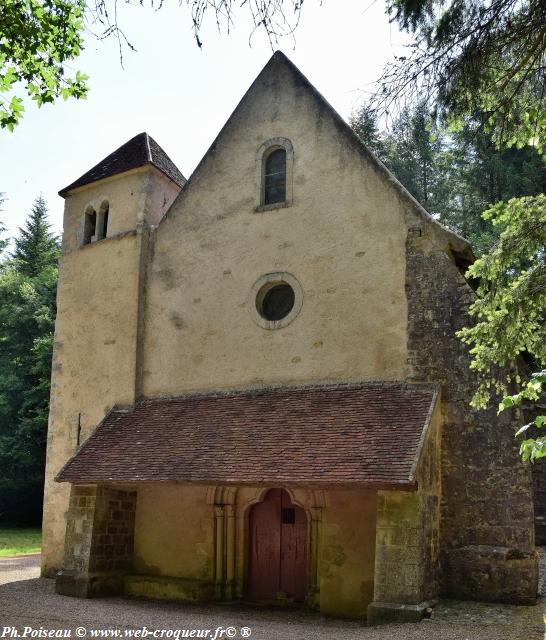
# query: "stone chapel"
x,y
257,392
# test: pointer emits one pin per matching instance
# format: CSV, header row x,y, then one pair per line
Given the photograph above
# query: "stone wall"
x,y
398,561
99,541
539,492
407,540
487,537
538,471
113,531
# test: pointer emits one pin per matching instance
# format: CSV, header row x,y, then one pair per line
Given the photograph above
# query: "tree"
x,y
37,40
489,58
510,309
364,123
454,175
3,243
27,317
36,247
473,57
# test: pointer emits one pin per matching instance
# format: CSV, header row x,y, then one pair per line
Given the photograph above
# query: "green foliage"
x,y
488,58
3,242
531,448
14,541
37,39
36,247
28,286
471,57
511,307
455,176
364,123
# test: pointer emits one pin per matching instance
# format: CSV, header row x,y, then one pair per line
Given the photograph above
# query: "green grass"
x,y
14,541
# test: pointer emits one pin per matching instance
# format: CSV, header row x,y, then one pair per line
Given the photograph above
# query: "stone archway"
x,y
277,549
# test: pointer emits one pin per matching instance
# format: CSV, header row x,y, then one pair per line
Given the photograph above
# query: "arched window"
x,y
103,219
89,226
95,223
274,169
275,177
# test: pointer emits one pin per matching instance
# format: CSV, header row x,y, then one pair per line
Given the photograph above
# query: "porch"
x,y
365,547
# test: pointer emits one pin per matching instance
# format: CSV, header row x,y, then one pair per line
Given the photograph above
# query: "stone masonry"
x,y
99,541
407,542
539,491
487,536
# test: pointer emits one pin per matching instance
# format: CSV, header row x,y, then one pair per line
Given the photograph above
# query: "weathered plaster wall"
x,y
347,552
487,537
143,193
93,363
173,532
342,238
95,351
176,536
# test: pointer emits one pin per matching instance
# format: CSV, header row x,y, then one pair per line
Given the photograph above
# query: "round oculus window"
x,y
275,301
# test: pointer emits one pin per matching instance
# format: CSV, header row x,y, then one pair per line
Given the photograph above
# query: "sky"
x,y
181,94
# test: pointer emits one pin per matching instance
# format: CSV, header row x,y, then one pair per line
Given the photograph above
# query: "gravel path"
x,y
27,600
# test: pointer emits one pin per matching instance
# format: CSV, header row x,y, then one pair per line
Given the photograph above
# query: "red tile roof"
x,y
367,433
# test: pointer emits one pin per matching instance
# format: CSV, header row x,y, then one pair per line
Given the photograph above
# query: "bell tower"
x,y
109,212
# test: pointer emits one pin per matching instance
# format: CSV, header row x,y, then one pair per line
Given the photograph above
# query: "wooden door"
x,y
278,549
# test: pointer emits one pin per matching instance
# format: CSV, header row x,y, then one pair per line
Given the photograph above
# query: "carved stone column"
x,y
313,597
230,552
219,551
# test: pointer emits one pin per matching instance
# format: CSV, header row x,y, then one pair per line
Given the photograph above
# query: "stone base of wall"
x,y
387,612
494,574
85,585
165,588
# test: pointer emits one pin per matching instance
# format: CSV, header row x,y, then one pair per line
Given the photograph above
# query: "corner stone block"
x,y
405,558
91,567
387,612
496,574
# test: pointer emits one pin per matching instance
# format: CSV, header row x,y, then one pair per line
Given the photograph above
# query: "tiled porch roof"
x,y
368,433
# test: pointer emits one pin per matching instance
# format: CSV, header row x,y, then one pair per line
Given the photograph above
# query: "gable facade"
x,y
167,307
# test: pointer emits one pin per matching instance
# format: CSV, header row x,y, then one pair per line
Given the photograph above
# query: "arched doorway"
x,y
277,560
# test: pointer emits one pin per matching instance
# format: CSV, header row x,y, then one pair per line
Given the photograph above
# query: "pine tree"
x,y
454,175
364,124
3,243
36,248
28,283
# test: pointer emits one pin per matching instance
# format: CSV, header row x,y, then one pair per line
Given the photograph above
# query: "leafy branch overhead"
x,y
37,39
530,448
473,57
510,310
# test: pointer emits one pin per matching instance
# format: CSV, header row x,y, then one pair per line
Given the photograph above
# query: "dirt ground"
x,y
26,600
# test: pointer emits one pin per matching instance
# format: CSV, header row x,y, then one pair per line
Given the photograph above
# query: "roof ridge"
x,y
348,385
147,137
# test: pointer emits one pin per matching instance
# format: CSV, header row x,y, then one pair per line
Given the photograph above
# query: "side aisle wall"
x,y
487,537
